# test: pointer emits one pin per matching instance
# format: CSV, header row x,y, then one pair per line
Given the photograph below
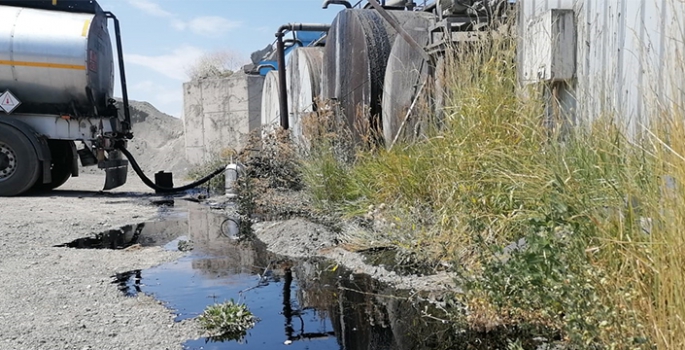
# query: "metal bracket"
x,y
452,30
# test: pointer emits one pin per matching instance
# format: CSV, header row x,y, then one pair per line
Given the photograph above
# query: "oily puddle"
x,y
301,304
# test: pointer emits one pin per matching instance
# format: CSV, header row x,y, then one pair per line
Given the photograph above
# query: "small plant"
x,y
218,64
227,321
276,163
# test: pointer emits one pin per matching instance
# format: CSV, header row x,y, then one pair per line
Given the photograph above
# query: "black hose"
x,y
157,188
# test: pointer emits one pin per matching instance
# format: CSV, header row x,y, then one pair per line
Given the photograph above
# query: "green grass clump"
x,y
227,321
600,210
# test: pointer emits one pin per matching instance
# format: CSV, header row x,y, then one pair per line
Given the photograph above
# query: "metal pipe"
x,y
280,48
292,42
303,27
265,65
319,41
122,72
282,92
336,2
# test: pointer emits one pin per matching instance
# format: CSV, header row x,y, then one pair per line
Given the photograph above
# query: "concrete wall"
x,y
220,114
627,56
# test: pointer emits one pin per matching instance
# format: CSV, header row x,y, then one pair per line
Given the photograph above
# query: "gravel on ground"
x,y
301,238
62,298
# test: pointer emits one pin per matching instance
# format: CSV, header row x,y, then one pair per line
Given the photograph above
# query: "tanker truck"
x,y
56,95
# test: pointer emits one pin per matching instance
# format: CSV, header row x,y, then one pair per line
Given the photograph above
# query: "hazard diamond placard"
x,y
8,102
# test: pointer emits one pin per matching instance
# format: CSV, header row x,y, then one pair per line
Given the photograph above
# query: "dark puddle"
x,y
301,304
175,221
155,233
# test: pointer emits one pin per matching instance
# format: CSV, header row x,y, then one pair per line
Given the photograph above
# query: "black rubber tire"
x,y
355,57
62,164
356,52
26,167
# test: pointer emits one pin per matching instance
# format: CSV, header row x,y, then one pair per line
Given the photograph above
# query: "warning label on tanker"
x,y
8,102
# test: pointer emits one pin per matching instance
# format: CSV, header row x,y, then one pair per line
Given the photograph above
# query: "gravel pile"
x,y
158,142
302,239
296,238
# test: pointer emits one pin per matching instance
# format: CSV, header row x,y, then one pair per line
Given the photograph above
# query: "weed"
x,y
227,321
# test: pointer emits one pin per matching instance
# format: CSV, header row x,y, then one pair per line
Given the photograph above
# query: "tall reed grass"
x,y
600,212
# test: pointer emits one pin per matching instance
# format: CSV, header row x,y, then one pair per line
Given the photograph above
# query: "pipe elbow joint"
x,y
336,2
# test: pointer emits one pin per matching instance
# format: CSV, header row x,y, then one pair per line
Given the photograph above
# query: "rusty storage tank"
x,y
270,104
355,58
407,72
56,61
304,84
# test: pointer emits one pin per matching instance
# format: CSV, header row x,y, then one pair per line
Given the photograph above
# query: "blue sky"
x,y
163,37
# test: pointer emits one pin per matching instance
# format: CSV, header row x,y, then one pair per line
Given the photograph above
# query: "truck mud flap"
x,y
115,176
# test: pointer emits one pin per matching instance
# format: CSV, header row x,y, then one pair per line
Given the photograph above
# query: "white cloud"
x,y
179,25
166,98
163,94
172,65
211,25
203,25
151,8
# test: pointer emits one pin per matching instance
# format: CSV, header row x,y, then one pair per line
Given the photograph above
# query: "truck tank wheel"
x,y
271,110
356,52
19,166
407,73
355,57
304,87
62,163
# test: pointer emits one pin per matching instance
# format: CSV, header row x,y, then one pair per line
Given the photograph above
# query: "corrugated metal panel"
x,y
629,55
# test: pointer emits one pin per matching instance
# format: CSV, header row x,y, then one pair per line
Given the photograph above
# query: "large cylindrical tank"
x,y
270,104
356,54
53,60
304,76
407,72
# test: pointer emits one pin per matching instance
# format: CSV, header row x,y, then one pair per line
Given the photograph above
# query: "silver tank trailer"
x,y
52,60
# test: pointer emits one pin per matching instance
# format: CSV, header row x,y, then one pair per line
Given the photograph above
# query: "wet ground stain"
x,y
301,304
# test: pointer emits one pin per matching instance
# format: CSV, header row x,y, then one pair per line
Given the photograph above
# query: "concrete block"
x,y
192,120
221,114
225,95
255,85
551,51
196,155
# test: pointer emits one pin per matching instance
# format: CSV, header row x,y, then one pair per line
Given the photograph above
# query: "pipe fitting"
x,y
280,48
336,2
305,27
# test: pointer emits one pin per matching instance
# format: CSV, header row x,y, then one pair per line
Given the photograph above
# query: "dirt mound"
x,y
158,142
